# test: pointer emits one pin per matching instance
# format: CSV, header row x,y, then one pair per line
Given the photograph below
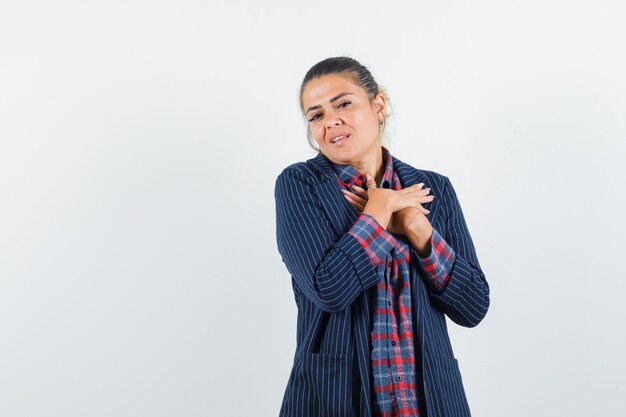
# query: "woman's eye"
x,y
344,104
314,118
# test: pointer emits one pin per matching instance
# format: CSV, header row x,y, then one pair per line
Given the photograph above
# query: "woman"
x,y
378,252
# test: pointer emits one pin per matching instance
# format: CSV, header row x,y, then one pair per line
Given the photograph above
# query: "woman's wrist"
x,y
419,234
379,211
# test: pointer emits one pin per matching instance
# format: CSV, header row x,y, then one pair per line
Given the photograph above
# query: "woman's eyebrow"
x,y
337,97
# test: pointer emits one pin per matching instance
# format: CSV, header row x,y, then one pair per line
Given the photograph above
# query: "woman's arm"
x,y
330,270
465,297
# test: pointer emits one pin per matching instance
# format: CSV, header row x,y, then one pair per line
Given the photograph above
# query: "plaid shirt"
x,y
393,354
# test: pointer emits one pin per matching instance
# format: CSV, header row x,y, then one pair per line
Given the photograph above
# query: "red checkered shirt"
x,y
393,355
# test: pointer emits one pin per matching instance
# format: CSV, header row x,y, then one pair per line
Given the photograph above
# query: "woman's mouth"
x,y
340,139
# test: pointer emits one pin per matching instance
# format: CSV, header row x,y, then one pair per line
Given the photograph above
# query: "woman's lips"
x,y
340,139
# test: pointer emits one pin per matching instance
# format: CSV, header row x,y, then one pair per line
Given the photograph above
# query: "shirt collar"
x,y
349,176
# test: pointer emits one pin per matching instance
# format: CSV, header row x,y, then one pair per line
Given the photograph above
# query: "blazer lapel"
x,y
340,212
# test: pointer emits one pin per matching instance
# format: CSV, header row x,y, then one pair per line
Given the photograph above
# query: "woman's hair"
x,y
348,66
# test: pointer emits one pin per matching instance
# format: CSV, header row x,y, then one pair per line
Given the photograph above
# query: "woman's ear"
x,y
381,105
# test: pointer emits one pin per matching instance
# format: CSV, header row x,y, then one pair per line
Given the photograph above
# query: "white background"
x,y
140,142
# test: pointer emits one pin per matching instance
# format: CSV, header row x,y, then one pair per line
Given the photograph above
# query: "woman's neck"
x,y
373,165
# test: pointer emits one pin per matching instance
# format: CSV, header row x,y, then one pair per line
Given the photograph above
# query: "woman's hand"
x,y
406,204
358,198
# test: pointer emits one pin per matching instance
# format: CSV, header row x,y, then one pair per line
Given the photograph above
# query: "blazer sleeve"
x,y
330,270
465,298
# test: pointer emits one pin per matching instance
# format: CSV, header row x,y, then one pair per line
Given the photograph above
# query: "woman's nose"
x,y
333,119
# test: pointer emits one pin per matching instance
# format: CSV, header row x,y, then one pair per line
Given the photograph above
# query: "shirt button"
x,y
389,302
398,378
393,342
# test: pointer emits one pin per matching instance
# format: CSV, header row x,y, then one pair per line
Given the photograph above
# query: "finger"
x,y
355,197
417,194
422,209
359,191
415,188
370,181
351,199
415,201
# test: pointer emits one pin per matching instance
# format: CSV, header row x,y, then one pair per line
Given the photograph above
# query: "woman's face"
x,y
342,120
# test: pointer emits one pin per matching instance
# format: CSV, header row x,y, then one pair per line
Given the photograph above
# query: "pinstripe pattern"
x,y
333,279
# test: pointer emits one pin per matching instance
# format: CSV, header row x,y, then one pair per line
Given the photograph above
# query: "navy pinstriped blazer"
x,y
332,278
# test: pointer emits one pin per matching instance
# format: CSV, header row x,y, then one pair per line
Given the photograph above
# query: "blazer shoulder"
x,y
309,172
411,175
299,173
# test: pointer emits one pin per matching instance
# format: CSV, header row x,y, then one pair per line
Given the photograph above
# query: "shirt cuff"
x,y
376,241
438,264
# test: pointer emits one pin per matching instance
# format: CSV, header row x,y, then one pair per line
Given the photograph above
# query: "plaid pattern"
x,y
393,353
438,264
376,241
